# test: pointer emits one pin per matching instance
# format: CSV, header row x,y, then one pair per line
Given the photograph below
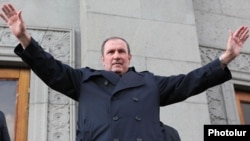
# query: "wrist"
x,y
24,40
222,62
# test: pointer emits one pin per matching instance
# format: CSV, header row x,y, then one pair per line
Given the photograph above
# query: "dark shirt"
x,y
4,133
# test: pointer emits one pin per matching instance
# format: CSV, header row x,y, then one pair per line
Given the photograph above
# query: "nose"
x,y
116,55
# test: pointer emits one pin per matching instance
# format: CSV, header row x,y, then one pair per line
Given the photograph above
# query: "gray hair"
x,y
111,38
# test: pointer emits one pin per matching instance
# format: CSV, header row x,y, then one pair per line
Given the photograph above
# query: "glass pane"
x,y
246,111
8,103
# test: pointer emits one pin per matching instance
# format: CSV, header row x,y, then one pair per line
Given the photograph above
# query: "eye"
x,y
122,51
110,52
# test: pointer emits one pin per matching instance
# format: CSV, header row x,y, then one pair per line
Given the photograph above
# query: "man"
x,y
4,133
118,103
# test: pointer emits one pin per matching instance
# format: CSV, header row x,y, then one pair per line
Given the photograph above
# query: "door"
x,y
14,87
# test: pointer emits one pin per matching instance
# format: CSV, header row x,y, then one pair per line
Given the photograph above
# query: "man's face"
x,y
115,56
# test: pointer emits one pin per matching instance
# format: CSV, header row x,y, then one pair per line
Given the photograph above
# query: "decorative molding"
x,y
216,105
56,109
221,99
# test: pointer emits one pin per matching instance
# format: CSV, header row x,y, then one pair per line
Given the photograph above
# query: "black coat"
x,y
170,133
114,108
4,133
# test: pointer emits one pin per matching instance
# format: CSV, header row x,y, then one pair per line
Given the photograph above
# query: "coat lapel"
x,y
110,76
129,80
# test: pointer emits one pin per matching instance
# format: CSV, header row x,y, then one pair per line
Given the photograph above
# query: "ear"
x,y
130,57
102,59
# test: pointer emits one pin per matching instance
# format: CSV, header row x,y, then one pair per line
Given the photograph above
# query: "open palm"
x,y
13,19
236,41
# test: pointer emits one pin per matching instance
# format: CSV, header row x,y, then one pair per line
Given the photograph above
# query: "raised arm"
x,y
52,71
235,43
13,19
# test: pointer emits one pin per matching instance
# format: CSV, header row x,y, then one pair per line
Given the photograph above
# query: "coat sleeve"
x,y
52,72
177,88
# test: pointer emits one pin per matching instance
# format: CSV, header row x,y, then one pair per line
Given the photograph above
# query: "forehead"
x,y
115,43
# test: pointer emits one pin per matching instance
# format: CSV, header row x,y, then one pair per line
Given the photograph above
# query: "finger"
x,y
3,17
238,32
245,38
230,34
6,8
11,8
5,11
245,33
19,13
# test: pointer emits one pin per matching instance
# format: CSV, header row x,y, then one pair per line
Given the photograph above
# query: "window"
x,y
14,86
243,104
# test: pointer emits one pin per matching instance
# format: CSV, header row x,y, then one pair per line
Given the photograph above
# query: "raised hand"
x,y
14,20
235,43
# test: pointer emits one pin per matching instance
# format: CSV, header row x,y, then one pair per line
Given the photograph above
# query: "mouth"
x,y
115,64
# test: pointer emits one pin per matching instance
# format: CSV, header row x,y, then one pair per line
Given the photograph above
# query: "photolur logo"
x,y
226,132
215,132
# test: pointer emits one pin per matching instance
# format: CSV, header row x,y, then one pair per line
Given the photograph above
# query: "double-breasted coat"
x,y
119,108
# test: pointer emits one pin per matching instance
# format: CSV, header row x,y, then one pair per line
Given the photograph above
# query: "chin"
x,y
118,71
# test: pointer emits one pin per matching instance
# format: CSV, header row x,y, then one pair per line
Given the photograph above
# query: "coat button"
x,y
135,99
137,118
106,82
138,139
115,118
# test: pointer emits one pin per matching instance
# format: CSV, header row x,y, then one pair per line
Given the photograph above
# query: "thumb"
x,y
230,33
19,14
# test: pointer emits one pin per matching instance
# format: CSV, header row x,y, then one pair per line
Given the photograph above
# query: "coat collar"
x,y
109,75
128,80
